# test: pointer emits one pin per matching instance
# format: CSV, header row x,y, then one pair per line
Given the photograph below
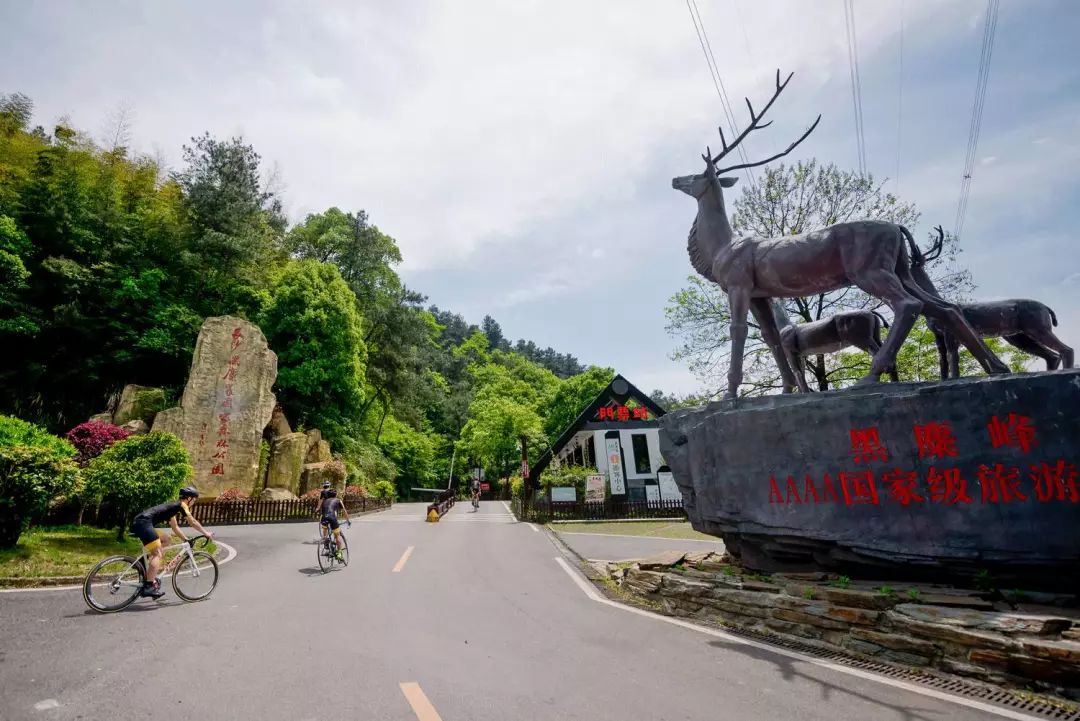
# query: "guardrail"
x,y
443,503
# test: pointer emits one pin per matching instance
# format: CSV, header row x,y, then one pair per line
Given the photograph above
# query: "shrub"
x,y
232,495
34,468
385,489
313,493
138,472
356,492
517,485
92,438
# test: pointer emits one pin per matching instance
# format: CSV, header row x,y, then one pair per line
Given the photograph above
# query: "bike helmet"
x,y
189,492
325,484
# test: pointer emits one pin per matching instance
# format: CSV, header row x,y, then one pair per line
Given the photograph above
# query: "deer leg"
x,y
950,316
770,333
943,353
1045,338
952,348
738,305
886,286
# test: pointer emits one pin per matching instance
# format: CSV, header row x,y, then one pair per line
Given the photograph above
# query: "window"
x,y
642,464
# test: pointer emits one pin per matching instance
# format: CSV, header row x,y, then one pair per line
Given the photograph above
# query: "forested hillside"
x,y
109,263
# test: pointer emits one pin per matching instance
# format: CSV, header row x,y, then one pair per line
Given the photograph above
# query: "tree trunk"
x,y
820,374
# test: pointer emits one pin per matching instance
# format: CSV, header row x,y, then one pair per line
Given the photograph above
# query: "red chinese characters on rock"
x,y
225,407
1016,431
1046,482
866,445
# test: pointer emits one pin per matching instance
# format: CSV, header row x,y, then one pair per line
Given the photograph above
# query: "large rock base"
x,y
975,477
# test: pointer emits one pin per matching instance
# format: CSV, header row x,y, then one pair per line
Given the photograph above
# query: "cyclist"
x,y
328,508
475,488
143,527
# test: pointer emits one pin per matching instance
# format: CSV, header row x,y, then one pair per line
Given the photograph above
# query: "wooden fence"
x,y
544,510
219,513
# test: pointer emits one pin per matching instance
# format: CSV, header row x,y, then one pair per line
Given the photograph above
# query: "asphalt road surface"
x,y
624,548
469,619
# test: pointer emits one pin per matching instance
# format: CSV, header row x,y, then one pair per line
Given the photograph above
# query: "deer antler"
x,y
755,124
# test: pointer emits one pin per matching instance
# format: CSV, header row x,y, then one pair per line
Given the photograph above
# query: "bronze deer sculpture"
x,y
871,255
1023,323
853,328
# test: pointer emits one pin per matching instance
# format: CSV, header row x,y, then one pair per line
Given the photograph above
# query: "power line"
x,y
856,84
714,72
900,101
985,54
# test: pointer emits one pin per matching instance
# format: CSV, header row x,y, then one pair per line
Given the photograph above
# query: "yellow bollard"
x,y
433,516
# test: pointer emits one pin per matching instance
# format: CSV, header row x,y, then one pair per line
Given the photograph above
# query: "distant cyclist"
x,y
475,488
143,527
328,508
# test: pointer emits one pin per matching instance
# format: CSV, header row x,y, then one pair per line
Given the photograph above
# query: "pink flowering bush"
x,y
92,438
232,495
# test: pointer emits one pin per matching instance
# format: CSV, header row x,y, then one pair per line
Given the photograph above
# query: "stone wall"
x,y
949,629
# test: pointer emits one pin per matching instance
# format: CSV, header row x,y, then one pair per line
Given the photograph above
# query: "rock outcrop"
x,y
226,404
938,481
287,455
138,403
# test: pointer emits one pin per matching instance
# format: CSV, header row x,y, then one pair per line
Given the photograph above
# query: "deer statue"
x,y
870,255
853,328
1025,324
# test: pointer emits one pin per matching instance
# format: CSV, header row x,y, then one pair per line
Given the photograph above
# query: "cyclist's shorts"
x,y
144,529
330,519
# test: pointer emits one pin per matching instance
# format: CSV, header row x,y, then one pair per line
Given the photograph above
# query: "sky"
x,y
521,152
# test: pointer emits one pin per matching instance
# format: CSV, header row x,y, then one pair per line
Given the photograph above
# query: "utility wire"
x,y
856,84
900,102
985,54
714,72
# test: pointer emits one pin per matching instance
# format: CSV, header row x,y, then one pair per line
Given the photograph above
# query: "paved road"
x,y
480,617
624,548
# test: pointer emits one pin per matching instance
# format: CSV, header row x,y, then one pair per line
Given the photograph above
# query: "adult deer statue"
x,y
851,328
1020,322
871,255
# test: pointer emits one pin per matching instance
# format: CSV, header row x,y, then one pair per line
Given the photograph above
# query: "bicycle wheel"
x,y
326,555
113,584
194,582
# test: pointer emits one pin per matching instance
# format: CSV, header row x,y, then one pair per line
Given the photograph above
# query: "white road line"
x,y
628,535
418,700
507,507
595,595
534,528
230,556
401,561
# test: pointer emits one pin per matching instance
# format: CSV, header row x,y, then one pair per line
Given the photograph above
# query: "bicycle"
x,y
476,503
328,549
114,583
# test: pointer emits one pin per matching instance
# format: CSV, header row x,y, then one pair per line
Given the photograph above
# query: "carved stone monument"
x,y
939,481
226,404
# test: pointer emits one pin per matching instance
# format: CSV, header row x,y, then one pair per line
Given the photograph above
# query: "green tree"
x,y
573,396
789,200
313,325
138,472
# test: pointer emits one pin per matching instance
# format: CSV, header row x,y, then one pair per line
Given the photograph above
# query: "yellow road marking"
x,y
418,700
401,562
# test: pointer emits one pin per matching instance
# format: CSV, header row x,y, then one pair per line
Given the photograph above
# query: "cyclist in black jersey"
x,y
143,527
329,505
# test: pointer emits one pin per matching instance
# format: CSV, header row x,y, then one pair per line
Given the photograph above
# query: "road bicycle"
x,y
328,549
476,503
114,583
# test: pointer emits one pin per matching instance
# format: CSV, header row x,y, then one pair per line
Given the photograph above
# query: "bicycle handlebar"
x,y
195,539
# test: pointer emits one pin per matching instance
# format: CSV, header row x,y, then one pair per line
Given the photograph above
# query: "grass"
x,y
648,529
65,551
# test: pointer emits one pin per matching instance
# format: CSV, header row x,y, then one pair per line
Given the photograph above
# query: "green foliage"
x,y
984,581
842,582
34,468
384,489
913,594
138,472
313,325
517,485
412,452
886,591
566,476
573,396
808,593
